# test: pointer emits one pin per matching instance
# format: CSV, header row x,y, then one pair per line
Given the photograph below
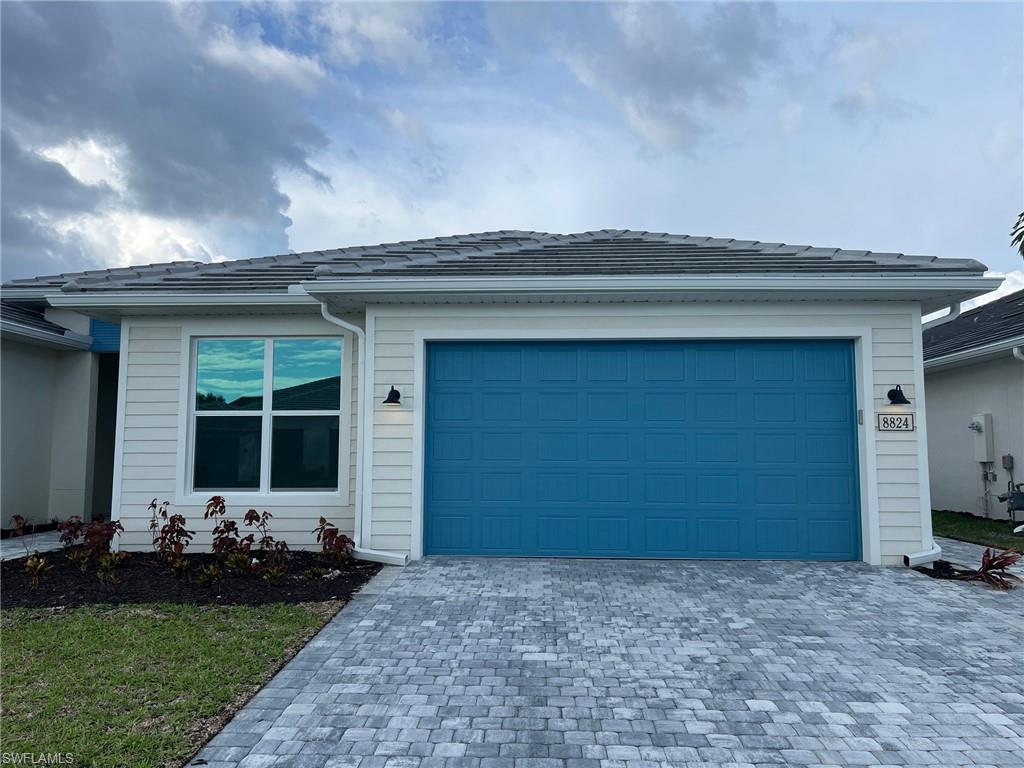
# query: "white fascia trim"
x,y
651,284
30,335
964,355
174,300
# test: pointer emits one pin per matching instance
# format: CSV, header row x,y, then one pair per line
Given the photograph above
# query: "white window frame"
x,y
189,494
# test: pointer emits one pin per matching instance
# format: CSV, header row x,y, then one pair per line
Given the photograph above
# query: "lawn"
x,y
978,530
139,685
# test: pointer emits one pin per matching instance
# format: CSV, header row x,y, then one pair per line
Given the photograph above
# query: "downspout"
x,y
925,556
362,393
1018,353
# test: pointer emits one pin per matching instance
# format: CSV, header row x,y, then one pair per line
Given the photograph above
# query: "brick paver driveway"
x,y
613,664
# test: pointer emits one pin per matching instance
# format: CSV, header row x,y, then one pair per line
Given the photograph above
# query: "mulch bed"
x,y
141,578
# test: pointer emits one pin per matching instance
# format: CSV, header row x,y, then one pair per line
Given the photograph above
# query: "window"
x,y
267,415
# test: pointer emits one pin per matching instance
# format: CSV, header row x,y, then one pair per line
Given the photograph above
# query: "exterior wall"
x,y
48,418
154,431
27,386
894,488
73,407
955,395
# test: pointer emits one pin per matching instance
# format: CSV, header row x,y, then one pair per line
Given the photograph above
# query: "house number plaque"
x,y
894,422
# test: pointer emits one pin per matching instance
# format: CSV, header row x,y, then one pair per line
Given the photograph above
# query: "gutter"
x,y
170,300
954,313
643,283
27,333
964,355
362,502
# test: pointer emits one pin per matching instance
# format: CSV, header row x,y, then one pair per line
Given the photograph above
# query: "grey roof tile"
x,y
998,320
29,315
505,253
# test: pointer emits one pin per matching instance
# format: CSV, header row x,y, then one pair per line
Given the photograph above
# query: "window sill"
x,y
268,501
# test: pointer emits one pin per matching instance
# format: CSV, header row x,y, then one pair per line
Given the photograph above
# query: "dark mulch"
x,y
141,578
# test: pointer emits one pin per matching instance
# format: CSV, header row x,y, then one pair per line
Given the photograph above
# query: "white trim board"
x,y
863,371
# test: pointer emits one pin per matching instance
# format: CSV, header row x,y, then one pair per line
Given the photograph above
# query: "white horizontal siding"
x,y
892,335
152,431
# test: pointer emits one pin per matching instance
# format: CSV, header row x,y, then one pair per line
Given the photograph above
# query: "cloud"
x,y
202,121
38,190
669,70
1013,282
264,62
863,58
392,34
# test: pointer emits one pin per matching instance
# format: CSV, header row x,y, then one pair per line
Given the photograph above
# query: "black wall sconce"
x,y
394,397
896,396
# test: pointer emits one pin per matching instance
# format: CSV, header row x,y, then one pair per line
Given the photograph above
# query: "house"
x,y
600,394
974,378
58,400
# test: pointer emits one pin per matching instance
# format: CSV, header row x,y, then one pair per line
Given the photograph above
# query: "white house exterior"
x,y
605,394
974,374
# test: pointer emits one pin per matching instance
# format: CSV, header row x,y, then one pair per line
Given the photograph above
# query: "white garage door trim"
x,y
860,335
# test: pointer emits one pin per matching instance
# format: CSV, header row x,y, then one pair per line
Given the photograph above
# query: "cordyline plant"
x,y
97,537
170,536
336,547
273,561
233,549
994,569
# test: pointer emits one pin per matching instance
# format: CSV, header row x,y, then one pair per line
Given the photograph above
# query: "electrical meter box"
x,y
984,446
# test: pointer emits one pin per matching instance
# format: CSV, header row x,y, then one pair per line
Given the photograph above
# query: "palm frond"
x,y
1017,235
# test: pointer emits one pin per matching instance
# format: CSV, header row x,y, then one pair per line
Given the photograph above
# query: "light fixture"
x,y
896,396
394,397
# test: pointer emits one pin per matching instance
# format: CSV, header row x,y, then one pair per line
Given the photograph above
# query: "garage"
x,y
641,449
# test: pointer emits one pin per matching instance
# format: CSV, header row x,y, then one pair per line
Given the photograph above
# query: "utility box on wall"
x,y
984,446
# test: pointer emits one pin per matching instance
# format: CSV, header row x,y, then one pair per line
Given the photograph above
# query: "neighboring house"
x,y
974,374
602,394
58,400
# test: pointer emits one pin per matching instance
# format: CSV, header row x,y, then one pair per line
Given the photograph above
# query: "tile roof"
x,y
996,321
30,316
506,253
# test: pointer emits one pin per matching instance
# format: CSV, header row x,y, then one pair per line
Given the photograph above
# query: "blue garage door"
x,y
691,449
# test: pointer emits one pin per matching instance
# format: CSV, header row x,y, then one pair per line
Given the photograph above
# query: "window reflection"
x,y
304,453
307,374
229,375
227,452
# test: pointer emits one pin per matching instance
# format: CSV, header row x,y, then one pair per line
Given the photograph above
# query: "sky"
x,y
142,132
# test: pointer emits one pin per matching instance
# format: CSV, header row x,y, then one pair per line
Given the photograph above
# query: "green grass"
x,y
978,530
141,685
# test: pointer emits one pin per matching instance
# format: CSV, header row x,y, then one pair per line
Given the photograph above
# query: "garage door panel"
x,y
641,449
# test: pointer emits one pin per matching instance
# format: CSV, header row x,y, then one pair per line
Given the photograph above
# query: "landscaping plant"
x,y
71,531
273,560
233,549
994,569
98,537
171,537
35,567
210,575
107,564
336,547
35,563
